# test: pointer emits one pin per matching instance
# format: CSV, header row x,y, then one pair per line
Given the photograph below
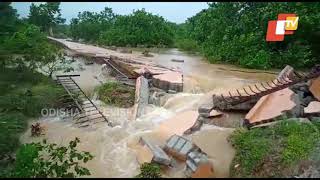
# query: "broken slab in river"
x,y
130,64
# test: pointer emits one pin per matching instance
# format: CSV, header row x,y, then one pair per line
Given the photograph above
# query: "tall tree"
x,y
46,16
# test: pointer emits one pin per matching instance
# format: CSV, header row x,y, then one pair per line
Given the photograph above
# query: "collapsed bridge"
x,y
255,97
78,104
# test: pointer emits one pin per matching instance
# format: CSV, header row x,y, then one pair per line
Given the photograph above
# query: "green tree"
x,y
8,20
46,16
234,32
35,51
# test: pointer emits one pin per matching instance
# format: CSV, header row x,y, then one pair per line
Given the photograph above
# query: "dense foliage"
x,y
43,160
234,32
46,16
24,52
149,170
274,151
136,29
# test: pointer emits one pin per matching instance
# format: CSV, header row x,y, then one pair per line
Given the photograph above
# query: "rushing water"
x,y
114,148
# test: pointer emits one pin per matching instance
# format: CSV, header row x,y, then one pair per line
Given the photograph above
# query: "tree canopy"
x,y
46,15
234,32
138,28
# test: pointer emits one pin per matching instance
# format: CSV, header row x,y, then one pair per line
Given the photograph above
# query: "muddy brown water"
x,y
114,148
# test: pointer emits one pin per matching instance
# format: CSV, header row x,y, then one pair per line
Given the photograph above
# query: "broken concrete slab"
x,y
177,60
177,124
179,147
169,81
315,88
141,96
214,142
144,154
313,108
271,106
159,156
215,113
198,165
277,104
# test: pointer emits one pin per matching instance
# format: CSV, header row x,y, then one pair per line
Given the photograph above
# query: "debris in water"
x,y
313,108
177,60
37,129
315,88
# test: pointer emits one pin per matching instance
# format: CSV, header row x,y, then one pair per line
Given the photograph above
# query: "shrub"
x,y
11,125
276,147
260,60
149,170
187,45
49,160
117,94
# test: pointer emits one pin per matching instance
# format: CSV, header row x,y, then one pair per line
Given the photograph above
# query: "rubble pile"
x,y
300,100
179,150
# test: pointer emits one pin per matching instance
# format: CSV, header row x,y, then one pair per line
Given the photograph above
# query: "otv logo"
x,y
285,25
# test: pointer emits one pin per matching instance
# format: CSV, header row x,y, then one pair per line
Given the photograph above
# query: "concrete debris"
x,y
130,64
205,109
179,147
315,88
271,106
141,96
313,108
198,165
196,126
302,89
280,103
147,54
215,113
177,60
158,96
159,156
168,81
177,124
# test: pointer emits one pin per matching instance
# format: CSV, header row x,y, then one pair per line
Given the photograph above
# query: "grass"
x,y
271,151
114,93
22,96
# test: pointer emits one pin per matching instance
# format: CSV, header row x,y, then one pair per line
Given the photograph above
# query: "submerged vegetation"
x,y
275,151
115,93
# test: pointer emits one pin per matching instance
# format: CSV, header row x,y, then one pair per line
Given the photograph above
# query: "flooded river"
x,y
114,148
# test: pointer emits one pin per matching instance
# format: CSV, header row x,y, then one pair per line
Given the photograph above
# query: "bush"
x,y
187,45
49,160
266,152
261,60
114,93
149,170
12,125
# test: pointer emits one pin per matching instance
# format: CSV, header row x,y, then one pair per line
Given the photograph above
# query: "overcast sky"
x,y
176,12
